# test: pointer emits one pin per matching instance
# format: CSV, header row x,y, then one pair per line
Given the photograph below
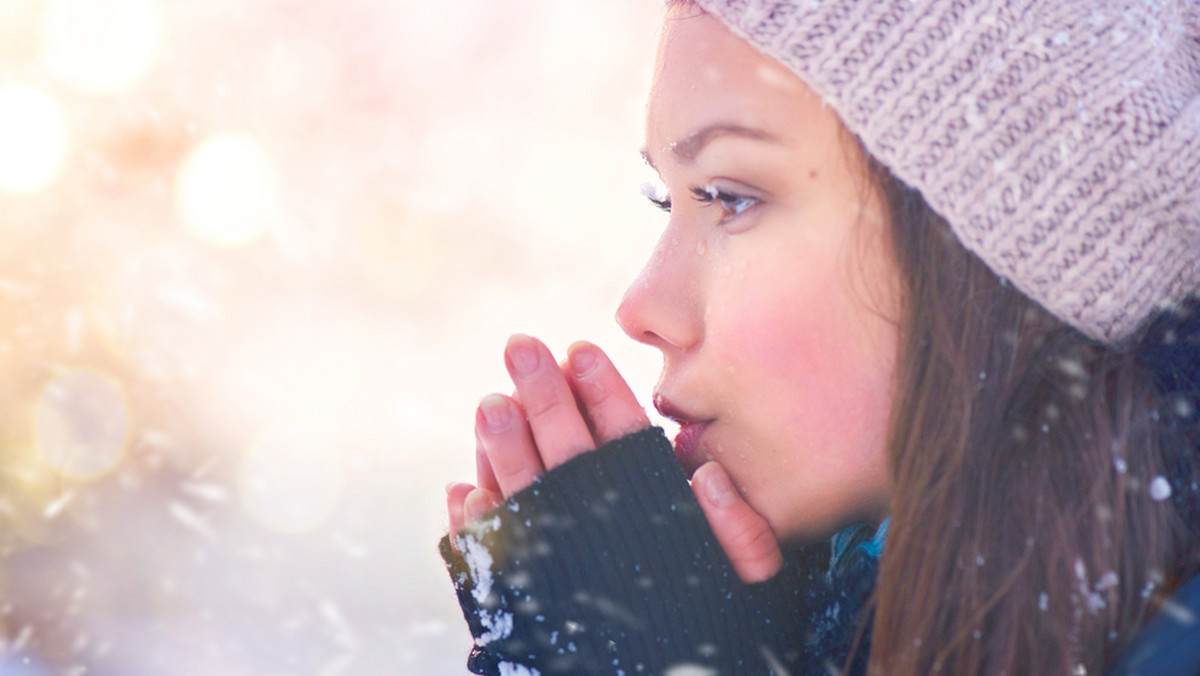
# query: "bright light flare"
x,y
82,424
228,191
101,46
292,479
33,139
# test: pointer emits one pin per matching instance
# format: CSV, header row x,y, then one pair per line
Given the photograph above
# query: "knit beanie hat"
x,y
1059,138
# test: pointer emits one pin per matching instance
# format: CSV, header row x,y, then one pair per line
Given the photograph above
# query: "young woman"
x,y
928,281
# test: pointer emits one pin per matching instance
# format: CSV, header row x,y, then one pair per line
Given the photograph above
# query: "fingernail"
x,y
583,360
718,489
522,355
495,412
475,506
451,485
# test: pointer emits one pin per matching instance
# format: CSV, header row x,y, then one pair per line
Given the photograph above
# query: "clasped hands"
x,y
560,411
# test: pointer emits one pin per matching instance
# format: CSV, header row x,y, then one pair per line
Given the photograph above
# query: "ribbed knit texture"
x,y
1059,138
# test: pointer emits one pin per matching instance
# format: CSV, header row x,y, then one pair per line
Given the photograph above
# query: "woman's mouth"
x,y
687,447
687,441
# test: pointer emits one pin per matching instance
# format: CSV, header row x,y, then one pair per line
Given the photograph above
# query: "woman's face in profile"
x,y
772,293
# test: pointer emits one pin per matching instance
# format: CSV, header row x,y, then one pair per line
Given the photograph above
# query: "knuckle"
x,y
754,542
515,476
613,414
596,393
541,408
543,399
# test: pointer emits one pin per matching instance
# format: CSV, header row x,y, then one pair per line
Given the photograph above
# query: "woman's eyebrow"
x,y
689,148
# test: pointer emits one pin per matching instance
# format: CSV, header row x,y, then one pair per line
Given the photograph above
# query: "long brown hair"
x,y
1025,536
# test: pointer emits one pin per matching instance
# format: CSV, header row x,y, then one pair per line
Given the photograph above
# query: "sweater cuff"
x,y
591,562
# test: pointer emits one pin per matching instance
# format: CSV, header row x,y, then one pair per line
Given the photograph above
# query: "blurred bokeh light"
x,y
258,260
100,46
228,190
292,478
33,138
82,424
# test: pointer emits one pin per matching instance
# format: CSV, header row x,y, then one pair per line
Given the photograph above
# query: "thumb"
x,y
745,535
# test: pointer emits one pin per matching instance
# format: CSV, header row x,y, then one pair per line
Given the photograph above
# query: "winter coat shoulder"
x,y
1169,643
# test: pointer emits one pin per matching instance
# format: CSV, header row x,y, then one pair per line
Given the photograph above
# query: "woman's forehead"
x,y
708,76
700,46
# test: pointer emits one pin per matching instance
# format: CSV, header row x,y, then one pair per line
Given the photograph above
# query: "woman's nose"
x,y
663,305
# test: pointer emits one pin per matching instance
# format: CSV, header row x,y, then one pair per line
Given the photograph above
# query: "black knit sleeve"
x,y
607,565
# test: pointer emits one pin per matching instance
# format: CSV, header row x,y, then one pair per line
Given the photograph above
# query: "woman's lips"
x,y
687,447
687,441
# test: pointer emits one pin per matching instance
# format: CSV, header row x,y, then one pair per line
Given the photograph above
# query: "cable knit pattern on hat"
x,y
1059,138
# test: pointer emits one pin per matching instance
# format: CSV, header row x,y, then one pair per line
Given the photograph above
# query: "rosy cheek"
x,y
764,327
805,354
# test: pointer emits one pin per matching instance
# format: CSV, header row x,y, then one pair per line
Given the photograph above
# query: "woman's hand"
x,y
558,413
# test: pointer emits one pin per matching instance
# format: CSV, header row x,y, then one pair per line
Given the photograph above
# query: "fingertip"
x,y
516,338
744,534
715,485
580,344
456,495
522,355
494,414
761,569
479,502
582,359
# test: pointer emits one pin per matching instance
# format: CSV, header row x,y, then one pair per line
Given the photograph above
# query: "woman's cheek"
x,y
762,328
807,357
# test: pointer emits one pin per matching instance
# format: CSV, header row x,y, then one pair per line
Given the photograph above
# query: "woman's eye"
x,y
657,197
731,204
663,203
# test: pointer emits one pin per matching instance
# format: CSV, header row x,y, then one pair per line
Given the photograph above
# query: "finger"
x,y
605,398
479,502
484,475
558,427
507,444
743,533
456,494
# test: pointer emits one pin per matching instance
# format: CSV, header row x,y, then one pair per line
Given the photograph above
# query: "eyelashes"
x,y
656,197
731,204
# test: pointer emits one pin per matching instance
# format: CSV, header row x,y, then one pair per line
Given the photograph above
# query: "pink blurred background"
x,y
258,260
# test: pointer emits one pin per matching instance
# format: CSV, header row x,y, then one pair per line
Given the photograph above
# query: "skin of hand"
x,y
561,411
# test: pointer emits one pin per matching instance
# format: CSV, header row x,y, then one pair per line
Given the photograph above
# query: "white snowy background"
x,y
258,261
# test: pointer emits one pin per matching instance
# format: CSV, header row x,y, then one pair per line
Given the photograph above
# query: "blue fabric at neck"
x,y
855,538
